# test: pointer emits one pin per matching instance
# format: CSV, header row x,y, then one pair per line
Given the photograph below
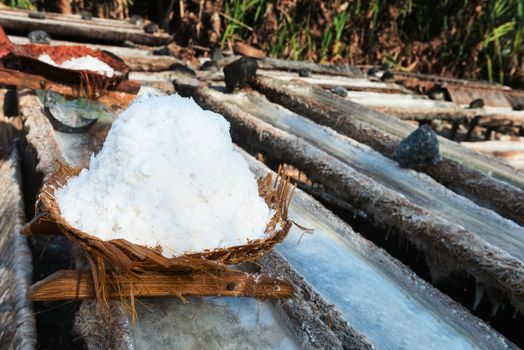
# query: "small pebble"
x,y
239,73
387,75
39,37
162,51
216,54
518,107
86,15
477,103
151,28
304,72
37,15
182,68
210,66
437,93
419,148
372,72
137,20
339,90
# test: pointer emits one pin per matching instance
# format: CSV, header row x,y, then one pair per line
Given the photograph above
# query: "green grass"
x,y
477,39
21,4
483,42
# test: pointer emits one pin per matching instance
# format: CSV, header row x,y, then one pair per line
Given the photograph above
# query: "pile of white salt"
x,y
167,176
81,63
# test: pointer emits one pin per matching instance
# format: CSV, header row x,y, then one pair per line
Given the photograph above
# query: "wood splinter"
x,y
74,285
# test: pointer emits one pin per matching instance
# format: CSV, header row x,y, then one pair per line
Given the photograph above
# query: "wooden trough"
x,y
73,26
441,240
331,325
17,323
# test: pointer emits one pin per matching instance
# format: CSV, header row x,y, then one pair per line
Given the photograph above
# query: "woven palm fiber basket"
x,y
124,258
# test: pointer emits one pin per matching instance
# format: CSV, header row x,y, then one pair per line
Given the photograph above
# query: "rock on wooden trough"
x,y
461,170
17,322
435,236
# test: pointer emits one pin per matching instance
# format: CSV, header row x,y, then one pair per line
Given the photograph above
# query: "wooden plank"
x,y
511,152
473,178
327,81
75,285
497,148
417,79
151,63
60,27
72,18
430,233
416,107
463,96
290,65
17,320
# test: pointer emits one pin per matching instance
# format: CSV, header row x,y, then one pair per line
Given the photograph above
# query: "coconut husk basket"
x,y
90,83
123,258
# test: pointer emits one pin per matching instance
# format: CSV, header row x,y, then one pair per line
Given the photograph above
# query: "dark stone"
x,y
400,82
477,103
304,72
372,72
182,68
518,107
387,75
11,103
37,15
418,149
238,74
216,54
137,20
385,66
86,15
151,28
162,51
339,90
211,66
437,93
39,37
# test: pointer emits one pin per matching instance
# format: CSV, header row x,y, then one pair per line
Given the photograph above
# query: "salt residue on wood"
x,y
81,63
167,176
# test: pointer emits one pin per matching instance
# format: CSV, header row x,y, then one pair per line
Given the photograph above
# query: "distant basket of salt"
x,y
167,194
93,71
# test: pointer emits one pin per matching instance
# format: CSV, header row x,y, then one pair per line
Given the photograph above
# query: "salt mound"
x,y
167,175
81,63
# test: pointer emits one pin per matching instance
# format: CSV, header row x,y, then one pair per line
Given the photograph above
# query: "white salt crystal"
x,y
167,175
81,63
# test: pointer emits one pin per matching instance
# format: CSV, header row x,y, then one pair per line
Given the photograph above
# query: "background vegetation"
x,y
475,39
